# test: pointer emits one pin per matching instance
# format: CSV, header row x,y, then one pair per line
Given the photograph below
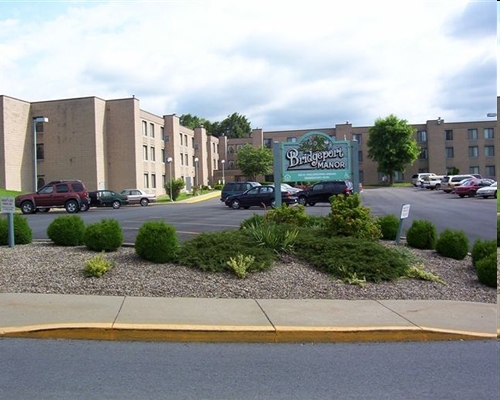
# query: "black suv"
x,y
71,195
232,188
322,191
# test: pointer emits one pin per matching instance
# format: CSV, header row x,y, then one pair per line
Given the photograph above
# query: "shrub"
x,y
97,266
255,219
482,249
177,186
288,215
389,225
279,238
453,244
349,218
106,235
210,251
486,269
240,264
421,235
350,259
67,230
22,231
157,241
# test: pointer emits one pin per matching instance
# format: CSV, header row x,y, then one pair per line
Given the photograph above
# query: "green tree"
x,y
192,121
254,161
391,145
234,126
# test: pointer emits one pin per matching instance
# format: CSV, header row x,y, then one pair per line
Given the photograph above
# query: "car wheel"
x,y
116,204
235,204
27,207
312,204
437,187
84,207
72,206
144,202
302,200
472,193
462,195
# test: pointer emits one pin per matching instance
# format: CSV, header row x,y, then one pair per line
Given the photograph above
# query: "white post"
x,y
223,177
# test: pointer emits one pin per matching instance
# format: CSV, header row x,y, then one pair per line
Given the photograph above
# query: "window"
x,y
186,140
267,143
62,188
144,128
152,130
182,159
422,136
291,139
186,160
361,176
146,181
472,134
162,131
489,151
474,170
180,134
473,151
357,137
489,170
163,157
488,133
448,134
192,142
164,180
145,153
40,151
448,152
152,154
423,154
153,181
399,176
360,156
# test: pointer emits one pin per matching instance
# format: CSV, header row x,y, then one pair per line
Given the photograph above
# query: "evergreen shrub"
x,y
295,215
453,244
67,230
106,235
22,231
486,269
421,235
157,242
482,249
389,225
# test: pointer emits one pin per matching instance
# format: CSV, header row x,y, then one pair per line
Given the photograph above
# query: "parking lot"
x,y
475,216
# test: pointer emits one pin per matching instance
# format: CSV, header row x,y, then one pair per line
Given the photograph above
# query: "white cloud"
x,y
299,65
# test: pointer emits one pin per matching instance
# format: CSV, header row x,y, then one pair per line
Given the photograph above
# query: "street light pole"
x,y
35,158
196,172
169,162
223,177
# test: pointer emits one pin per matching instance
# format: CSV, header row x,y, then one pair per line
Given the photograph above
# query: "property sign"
x,y
316,157
7,205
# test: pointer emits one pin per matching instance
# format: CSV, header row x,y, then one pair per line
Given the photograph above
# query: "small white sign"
x,y
8,205
405,211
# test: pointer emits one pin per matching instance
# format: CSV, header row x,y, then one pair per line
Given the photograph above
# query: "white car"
x,y
487,191
139,196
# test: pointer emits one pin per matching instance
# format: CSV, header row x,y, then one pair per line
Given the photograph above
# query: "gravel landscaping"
x,y
41,267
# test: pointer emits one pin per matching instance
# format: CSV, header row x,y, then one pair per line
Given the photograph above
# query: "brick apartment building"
x,y
115,144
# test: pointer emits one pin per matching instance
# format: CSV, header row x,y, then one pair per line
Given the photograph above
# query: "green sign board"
x,y
316,157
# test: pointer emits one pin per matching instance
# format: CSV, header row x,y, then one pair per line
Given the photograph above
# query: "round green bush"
x,y
106,235
67,230
422,235
482,249
389,225
157,241
486,270
22,231
453,244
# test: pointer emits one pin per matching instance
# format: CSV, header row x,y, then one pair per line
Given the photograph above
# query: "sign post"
x,y
405,211
8,207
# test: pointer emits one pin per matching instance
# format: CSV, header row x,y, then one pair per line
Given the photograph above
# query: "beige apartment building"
x,y
114,144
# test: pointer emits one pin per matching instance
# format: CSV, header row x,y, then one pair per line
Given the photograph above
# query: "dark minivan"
x,y
232,188
322,191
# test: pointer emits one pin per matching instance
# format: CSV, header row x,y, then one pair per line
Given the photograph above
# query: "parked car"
x,y
470,186
487,191
416,179
322,191
285,187
431,182
232,188
449,182
139,196
259,196
69,194
107,198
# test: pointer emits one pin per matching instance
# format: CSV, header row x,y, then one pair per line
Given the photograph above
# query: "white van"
x,y
449,182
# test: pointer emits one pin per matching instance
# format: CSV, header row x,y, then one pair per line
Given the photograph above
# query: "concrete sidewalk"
x,y
242,320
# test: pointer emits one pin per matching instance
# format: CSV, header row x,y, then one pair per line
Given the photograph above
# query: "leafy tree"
x,y
234,126
254,161
192,121
391,145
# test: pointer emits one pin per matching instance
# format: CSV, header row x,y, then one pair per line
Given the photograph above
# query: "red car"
x,y
469,187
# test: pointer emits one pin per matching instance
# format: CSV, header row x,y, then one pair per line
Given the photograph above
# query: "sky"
x,y
282,65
